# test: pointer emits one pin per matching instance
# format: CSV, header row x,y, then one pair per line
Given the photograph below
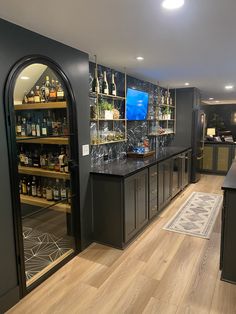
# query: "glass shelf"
x,y
39,172
38,106
43,140
109,142
106,96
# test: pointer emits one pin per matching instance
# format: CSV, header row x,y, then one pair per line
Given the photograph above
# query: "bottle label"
x,y
33,132
44,131
60,94
49,194
56,195
37,130
36,98
63,194
34,190
18,129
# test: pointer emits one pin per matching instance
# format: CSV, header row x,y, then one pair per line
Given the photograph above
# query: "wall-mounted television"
x,y
136,104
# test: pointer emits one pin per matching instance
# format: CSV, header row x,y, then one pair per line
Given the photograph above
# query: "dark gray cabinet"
x,y
164,183
185,168
153,188
176,174
136,203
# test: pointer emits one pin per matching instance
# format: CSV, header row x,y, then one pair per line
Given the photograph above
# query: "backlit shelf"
x,y
43,140
39,172
38,106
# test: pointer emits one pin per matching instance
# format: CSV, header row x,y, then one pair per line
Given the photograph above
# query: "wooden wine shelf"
x,y
41,202
107,96
110,142
44,140
43,173
38,106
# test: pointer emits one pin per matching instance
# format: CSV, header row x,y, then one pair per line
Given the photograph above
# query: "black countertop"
x,y
230,179
127,167
220,143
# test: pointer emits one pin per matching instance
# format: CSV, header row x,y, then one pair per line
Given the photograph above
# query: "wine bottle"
x,y
47,89
24,186
44,127
29,190
49,192
22,156
37,95
113,85
23,127
33,187
60,93
38,129
56,191
63,191
29,126
39,190
95,83
105,89
65,130
36,159
25,99
18,126
31,97
53,92
33,128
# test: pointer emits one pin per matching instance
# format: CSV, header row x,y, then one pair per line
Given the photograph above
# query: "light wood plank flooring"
x,y
161,272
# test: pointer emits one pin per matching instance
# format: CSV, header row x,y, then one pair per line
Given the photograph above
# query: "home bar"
x,y
118,173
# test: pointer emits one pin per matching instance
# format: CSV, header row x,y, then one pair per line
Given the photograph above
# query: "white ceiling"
x,y
195,44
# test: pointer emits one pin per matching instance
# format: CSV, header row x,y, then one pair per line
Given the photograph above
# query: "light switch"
x,y
85,150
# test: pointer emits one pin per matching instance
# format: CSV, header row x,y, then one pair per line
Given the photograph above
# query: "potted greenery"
x,y
106,110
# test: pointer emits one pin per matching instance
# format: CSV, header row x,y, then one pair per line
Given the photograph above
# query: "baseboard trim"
x,y
9,299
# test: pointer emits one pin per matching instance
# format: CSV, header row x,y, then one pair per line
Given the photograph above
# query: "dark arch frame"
x,y
13,167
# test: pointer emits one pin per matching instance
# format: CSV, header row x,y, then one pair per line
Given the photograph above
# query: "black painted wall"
x,y
221,117
16,43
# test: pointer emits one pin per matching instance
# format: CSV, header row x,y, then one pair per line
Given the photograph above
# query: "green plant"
x,y
105,105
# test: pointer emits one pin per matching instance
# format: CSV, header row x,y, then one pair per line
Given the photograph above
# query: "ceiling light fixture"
x,y
229,87
139,58
172,4
211,98
24,78
186,84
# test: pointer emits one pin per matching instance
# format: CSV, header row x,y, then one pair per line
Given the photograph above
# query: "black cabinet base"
x,y
9,299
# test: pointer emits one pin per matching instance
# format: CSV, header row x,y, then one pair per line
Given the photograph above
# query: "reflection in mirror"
x,y
43,144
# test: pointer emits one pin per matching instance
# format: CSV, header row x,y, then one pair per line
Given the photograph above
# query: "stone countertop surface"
x,y
129,166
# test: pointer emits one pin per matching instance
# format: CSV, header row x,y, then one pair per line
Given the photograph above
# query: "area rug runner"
x,y
197,216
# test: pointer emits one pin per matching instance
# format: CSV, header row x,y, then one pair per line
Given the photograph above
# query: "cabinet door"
x,y
223,158
208,160
167,180
130,217
176,174
160,185
153,186
186,167
142,198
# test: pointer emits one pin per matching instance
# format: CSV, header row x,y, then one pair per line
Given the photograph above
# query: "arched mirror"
x,y
44,153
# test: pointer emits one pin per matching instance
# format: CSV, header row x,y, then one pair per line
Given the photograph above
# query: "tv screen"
x,y
136,104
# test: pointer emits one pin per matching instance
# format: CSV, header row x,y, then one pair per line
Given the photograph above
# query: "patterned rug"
x,y
41,249
197,216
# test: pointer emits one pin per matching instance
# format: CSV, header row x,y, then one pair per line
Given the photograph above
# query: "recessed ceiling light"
x,y
139,58
24,78
186,84
172,4
229,87
211,98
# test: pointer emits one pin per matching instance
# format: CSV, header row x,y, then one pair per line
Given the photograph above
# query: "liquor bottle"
x,y
43,93
60,93
33,187
29,190
18,126
47,89
62,160
29,126
23,127
24,186
162,97
38,129
63,191
57,164
25,99
44,127
30,161
20,187
55,130
56,191
95,83
36,159
33,128
170,100
65,130
22,156
51,161
44,189
37,95
31,97
27,159
66,163
113,85
105,89
49,192
39,190
43,161
49,123
53,92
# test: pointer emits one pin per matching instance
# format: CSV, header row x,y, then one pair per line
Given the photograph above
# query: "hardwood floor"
x,y
161,272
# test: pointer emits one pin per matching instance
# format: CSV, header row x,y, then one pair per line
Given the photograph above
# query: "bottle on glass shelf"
x,y
170,100
57,164
24,186
162,97
49,123
60,93
95,83
31,97
51,162
65,130
22,156
27,159
43,160
29,126
29,190
62,160
33,187
44,189
36,159
66,162
37,98
47,89
38,128
63,191
113,85
39,190
33,128
105,89
44,127
49,192
30,160
56,191
53,92
18,126
23,127
25,99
